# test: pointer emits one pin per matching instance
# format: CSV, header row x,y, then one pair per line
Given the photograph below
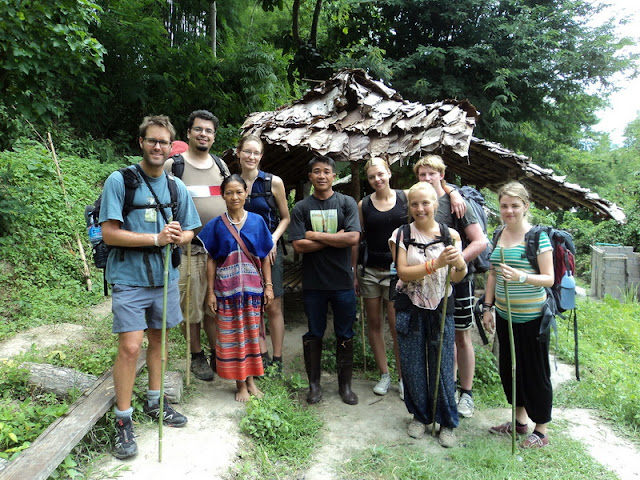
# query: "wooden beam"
x,y
54,444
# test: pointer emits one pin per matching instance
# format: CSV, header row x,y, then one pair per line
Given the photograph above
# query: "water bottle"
x,y
94,231
392,269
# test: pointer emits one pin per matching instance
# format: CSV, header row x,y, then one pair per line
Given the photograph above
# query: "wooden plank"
x,y
54,444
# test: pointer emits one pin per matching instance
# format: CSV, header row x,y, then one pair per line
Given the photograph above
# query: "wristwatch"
x,y
522,278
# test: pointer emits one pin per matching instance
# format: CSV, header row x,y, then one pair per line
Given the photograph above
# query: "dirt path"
x,y
210,444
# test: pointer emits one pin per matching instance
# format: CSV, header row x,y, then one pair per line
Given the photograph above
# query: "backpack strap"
x,y
177,168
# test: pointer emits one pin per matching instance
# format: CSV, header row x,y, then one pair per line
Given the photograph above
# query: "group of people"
x,y
230,228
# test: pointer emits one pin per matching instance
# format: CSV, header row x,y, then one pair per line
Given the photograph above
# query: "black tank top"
x,y
378,227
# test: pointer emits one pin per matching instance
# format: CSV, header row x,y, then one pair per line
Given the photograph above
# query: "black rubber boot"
x,y
344,362
312,348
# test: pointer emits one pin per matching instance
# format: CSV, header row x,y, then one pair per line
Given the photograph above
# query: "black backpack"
x,y
132,180
177,168
482,262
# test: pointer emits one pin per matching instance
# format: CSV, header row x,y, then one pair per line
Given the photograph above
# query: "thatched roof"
x,y
352,118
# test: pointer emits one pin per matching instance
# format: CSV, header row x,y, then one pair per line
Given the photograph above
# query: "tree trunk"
x,y
313,36
57,380
213,24
295,25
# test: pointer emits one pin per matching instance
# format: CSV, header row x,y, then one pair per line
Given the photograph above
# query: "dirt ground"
x,y
211,442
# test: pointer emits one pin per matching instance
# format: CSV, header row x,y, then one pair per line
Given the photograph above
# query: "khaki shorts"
x,y
374,283
198,295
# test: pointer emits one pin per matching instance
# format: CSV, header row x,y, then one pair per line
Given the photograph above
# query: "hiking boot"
x,y
416,429
382,387
401,389
505,429
212,362
447,437
534,441
125,445
171,417
466,407
201,368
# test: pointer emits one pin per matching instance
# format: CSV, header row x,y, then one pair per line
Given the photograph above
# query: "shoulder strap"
x,y
177,168
160,206
223,170
131,183
241,243
403,198
366,201
532,244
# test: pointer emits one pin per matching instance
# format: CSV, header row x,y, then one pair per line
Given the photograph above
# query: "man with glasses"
x,y
202,173
138,229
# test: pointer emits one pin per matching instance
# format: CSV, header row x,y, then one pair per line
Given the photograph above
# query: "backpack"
x,y
132,180
476,201
268,193
363,251
177,168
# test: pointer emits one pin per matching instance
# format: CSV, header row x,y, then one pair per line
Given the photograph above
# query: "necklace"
x,y
244,217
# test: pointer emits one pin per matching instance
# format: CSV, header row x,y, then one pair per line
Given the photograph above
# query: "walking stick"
x,y
438,363
167,254
513,361
187,321
364,356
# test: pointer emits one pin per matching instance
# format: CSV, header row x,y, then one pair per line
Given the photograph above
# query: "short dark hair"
x,y
322,159
232,178
158,120
204,115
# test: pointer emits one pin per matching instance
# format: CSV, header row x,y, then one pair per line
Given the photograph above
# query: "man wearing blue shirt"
x,y
137,236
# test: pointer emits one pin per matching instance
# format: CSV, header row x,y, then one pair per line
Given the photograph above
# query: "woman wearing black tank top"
x,y
380,214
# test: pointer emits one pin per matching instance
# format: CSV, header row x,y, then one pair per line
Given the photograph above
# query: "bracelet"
x,y
268,284
155,239
427,269
486,308
488,304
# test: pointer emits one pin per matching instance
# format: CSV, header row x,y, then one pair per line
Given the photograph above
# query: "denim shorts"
x,y
138,308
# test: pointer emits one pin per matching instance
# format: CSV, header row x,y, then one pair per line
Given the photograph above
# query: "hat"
x,y
178,147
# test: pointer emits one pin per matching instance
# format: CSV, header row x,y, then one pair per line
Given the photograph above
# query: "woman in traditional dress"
x,y
268,199
422,267
236,242
527,297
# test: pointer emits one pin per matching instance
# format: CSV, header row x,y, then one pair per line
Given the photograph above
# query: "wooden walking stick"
x,y
163,346
439,362
364,356
187,321
513,361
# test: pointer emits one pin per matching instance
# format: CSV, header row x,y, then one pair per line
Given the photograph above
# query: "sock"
x,y
538,434
197,354
468,392
153,397
277,359
518,424
122,414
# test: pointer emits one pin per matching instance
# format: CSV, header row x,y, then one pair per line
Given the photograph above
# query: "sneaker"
x,y
447,437
201,368
125,445
416,429
401,389
466,407
382,387
171,417
534,441
505,429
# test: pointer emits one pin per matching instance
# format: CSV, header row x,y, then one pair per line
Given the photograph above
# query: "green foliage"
x,y
43,275
487,386
45,47
284,432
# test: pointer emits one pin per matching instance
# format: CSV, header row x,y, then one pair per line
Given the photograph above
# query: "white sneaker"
x,y
466,407
401,389
382,387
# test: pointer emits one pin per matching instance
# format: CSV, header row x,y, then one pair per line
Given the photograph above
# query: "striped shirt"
x,y
526,300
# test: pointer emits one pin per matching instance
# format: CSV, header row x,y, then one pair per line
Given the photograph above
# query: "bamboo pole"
x,y
513,361
439,362
364,356
187,321
163,346
85,265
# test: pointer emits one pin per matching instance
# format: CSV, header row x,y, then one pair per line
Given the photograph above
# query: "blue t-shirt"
x,y
259,203
127,266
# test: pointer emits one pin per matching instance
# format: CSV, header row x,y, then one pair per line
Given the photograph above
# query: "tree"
x,y
45,48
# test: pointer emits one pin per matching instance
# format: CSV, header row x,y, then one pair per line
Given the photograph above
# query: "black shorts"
x,y
463,313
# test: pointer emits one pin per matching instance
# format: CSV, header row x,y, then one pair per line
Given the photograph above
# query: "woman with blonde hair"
x,y
422,261
380,214
527,296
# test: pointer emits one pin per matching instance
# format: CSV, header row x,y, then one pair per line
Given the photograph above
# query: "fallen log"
x,y
58,380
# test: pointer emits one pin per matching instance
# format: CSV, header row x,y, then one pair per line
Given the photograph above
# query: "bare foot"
x,y
253,390
242,395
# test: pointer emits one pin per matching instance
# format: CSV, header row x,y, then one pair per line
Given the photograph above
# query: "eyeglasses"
x,y
151,142
208,131
250,153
